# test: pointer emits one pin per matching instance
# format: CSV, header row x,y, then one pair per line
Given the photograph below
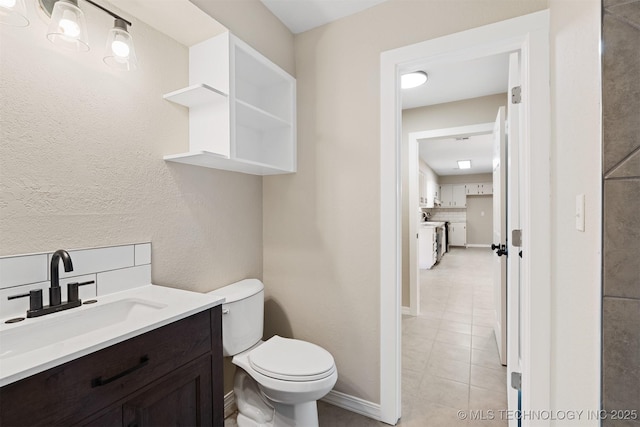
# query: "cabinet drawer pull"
x,y
97,382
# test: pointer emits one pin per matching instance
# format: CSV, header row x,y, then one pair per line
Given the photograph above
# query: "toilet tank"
x,y
242,315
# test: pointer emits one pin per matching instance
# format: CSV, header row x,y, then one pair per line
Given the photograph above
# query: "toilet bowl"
x,y
278,381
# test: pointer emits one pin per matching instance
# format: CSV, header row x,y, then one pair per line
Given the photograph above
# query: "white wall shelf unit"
x,y
242,110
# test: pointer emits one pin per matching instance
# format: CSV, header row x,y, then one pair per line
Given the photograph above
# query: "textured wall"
x,y
322,225
621,159
81,160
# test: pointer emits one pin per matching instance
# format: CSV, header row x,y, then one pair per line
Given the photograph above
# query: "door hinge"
x,y
516,380
516,95
516,238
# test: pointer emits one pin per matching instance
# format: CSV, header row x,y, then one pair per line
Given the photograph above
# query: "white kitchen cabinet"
x,y
453,195
428,191
242,109
479,189
427,249
422,190
458,234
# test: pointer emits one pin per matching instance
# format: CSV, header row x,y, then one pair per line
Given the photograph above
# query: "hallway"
x,y
450,358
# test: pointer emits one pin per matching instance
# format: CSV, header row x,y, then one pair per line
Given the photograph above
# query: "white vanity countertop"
x,y
37,344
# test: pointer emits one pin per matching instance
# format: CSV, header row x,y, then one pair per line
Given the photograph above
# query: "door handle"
x,y
500,249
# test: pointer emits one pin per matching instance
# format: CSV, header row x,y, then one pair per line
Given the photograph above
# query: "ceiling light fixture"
x,y
13,13
414,79
464,164
69,30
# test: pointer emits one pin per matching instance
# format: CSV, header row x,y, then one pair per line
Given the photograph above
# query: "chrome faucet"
x,y
54,291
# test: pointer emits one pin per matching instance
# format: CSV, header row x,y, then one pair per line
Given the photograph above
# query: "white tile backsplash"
x,y
87,261
113,269
451,215
143,254
126,278
15,271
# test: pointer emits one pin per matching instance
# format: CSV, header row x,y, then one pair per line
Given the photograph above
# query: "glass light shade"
x,y
411,80
120,52
68,27
13,13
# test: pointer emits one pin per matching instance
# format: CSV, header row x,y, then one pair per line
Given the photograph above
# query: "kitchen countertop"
x,y
37,344
432,224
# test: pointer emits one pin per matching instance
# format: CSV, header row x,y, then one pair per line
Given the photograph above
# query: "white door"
x,y
514,327
499,233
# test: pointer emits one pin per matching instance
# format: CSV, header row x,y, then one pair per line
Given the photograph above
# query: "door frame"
x,y
528,34
412,193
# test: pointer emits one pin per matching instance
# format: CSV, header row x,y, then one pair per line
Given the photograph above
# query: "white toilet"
x,y
279,380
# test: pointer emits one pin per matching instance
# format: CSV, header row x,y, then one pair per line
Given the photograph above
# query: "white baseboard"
x,y
229,404
477,245
353,404
335,398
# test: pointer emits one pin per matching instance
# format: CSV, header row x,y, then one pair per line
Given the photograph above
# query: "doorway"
x,y
528,35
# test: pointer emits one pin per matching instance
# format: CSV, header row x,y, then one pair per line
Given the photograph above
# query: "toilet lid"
x,y
291,360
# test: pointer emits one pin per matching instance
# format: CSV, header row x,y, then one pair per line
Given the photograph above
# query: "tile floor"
x,y
449,354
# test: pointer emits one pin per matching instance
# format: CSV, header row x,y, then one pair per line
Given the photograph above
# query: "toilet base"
x,y
303,415
257,410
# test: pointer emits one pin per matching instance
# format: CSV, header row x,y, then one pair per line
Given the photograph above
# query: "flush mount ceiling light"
x,y
464,164
69,30
13,13
414,79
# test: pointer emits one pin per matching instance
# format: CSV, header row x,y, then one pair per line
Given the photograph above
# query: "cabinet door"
x,y
446,195
421,189
487,188
458,234
473,189
459,195
425,247
182,398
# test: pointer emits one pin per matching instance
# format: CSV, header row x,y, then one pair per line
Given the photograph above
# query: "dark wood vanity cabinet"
x,y
171,376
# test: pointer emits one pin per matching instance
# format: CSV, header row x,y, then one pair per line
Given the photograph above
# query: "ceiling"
x,y
456,81
442,154
302,15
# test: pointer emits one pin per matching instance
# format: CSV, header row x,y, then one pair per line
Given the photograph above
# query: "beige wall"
x,y
81,160
463,179
256,25
479,220
321,225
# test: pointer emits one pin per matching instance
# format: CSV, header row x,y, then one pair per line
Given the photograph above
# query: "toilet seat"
x,y
291,360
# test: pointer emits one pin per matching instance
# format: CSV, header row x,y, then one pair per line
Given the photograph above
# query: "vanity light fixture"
x,y
69,30
414,79
120,52
464,164
13,13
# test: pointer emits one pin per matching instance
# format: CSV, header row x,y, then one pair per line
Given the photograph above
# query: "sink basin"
x,y
91,320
